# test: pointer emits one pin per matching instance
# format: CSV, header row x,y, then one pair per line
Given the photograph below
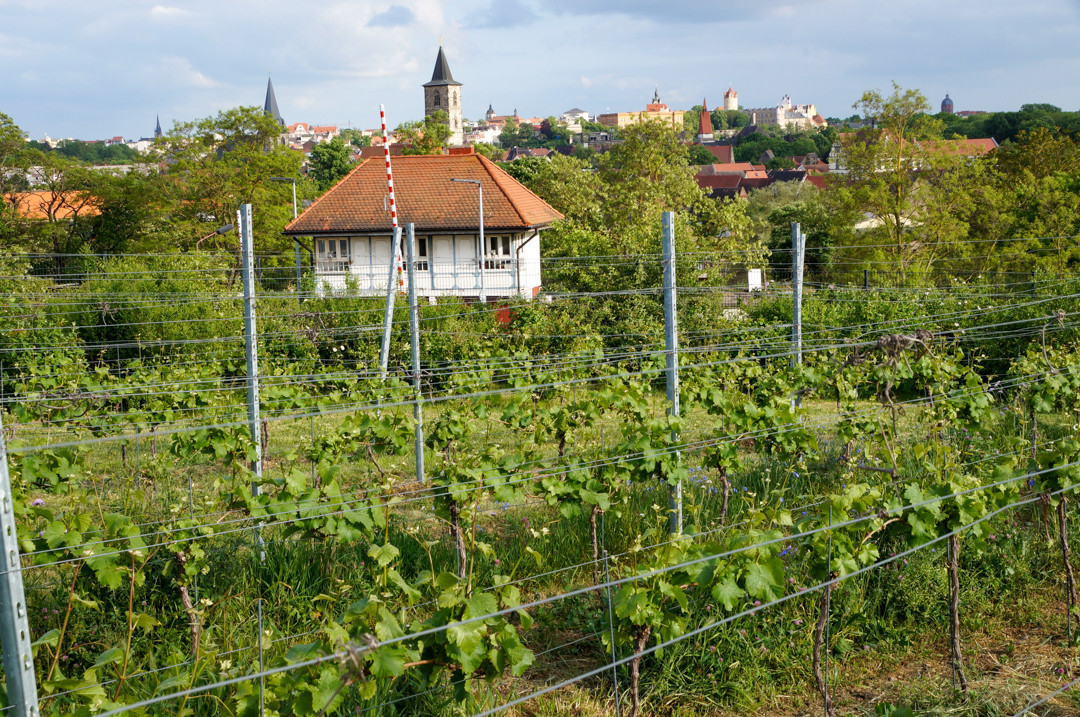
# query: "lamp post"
x,y
483,250
220,230
296,242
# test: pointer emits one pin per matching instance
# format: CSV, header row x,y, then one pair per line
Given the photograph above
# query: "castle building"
x,y
786,115
705,133
731,99
444,93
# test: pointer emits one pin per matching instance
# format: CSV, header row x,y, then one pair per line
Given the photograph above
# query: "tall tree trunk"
x,y
954,610
459,539
635,669
819,638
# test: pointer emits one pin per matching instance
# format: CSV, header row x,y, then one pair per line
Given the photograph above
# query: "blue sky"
x,y
98,68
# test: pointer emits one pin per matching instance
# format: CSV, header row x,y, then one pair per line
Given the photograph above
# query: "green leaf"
x,y
728,593
384,554
763,580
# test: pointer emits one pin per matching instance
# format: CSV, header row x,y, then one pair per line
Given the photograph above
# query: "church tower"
x,y
444,93
731,99
157,129
705,133
270,105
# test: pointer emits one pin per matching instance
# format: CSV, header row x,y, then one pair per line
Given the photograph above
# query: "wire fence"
x,y
161,442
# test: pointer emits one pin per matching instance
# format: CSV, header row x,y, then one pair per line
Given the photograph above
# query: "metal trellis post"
x,y
797,247
388,314
18,657
671,349
414,341
251,348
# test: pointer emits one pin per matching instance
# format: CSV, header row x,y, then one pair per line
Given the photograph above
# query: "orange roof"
x,y
425,196
322,129
722,152
37,205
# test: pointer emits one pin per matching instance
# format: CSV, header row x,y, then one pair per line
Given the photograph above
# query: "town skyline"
x,y
119,70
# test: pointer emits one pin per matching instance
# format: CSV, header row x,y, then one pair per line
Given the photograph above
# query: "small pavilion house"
x,y
351,229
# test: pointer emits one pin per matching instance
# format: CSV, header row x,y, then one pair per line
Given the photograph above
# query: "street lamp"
x,y
296,242
220,230
483,250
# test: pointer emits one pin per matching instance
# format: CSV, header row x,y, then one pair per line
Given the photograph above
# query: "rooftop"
x,y
425,196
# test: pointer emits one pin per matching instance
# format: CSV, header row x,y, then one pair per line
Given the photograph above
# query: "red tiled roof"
x,y
424,196
36,205
324,129
817,180
719,181
724,153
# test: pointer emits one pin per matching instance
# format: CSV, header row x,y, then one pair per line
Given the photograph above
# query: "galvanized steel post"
x,y
671,349
18,658
414,341
251,347
797,247
388,314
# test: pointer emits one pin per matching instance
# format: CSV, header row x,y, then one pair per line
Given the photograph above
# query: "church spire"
x,y
270,107
441,75
157,129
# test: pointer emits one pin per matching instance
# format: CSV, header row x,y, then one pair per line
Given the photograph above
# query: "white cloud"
x,y
167,11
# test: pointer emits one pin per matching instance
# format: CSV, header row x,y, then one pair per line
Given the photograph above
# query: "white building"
x,y
787,115
351,228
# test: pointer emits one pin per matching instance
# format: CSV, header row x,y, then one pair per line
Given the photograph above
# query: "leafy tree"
x,y
699,155
780,163
221,162
514,135
488,150
427,136
330,162
354,137
882,161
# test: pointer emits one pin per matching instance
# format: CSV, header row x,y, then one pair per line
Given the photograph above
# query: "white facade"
x,y
447,264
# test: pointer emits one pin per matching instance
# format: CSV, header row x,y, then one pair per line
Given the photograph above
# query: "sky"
x,y
94,69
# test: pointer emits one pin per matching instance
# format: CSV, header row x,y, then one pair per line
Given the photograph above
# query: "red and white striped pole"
x,y
395,255
396,243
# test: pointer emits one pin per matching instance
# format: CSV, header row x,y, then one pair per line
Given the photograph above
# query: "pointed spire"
x,y
704,106
157,129
656,96
441,75
270,107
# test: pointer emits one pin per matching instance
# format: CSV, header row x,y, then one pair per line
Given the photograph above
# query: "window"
x,y
421,262
436,99
332,255
497,252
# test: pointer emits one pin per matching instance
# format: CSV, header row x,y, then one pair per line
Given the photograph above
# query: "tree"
x,y
330,161
354,137
883,163
700,155
221,162
428,136
488,150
